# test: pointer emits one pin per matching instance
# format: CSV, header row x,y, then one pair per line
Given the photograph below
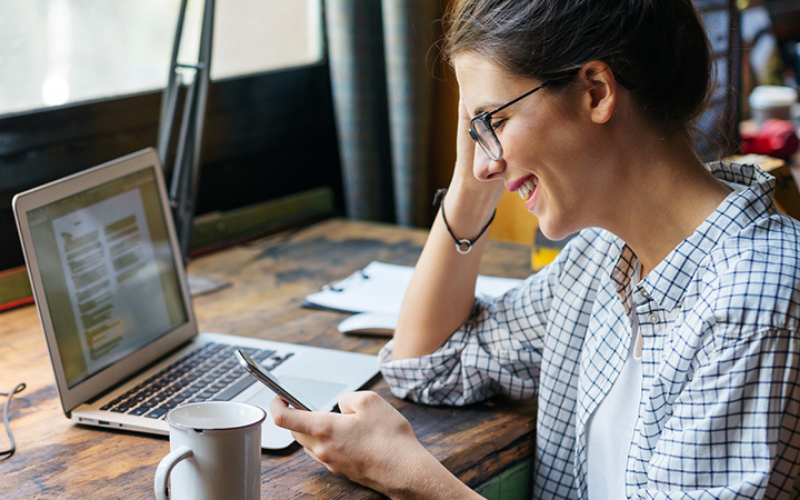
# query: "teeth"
x,y
525,189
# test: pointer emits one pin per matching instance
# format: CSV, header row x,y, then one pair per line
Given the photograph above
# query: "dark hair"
x,y
657,48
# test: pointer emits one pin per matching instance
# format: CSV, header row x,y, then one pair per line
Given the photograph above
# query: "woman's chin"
x,y
554,232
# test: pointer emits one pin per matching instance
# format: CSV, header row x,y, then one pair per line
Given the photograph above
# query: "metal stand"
x,y
186,169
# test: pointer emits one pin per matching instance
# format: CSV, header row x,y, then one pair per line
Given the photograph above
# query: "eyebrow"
x,y
485,108
515,100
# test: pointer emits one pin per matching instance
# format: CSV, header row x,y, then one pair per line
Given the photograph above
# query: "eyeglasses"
x,y
482,131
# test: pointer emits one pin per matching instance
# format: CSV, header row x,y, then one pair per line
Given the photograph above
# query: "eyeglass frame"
x,y
486,116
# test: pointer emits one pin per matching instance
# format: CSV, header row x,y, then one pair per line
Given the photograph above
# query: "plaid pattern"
x,y
719,319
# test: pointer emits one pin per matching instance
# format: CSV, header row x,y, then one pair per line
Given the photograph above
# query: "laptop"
x,y
112,295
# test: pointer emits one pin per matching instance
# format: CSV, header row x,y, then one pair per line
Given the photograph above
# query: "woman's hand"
x,y
468,182
465,146
369,442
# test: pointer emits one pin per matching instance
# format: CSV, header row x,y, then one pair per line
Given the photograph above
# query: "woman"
x,y
662,343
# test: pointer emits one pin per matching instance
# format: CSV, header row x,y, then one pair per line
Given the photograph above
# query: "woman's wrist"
x,y
468,210
428,479
463,245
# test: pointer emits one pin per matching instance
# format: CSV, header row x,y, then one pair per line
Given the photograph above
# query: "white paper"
x,y
380,287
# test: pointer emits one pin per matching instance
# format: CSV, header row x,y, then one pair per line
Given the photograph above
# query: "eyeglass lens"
x,y
487,139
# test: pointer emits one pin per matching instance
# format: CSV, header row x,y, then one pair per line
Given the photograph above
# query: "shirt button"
x,y
644,293
654,318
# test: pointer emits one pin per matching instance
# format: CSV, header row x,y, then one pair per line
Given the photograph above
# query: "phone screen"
x,y
268,379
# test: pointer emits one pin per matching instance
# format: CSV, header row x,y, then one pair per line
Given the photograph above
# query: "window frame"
x,y
265,136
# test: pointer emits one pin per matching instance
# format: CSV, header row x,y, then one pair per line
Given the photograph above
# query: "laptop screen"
x,y
108,272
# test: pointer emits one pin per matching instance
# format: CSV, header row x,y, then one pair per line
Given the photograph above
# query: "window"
x,y
82,84
65,51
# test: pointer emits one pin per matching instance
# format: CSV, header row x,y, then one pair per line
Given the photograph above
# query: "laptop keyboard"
x,y
209,373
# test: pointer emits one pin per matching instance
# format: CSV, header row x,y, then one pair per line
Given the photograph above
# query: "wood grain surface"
x,y
57,459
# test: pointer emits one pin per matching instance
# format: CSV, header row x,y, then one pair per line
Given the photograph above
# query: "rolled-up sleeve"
x,y
498,350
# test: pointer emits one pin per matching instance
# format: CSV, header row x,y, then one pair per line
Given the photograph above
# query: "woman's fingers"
x,y
315,458
353,402
369,441
465,147
301,421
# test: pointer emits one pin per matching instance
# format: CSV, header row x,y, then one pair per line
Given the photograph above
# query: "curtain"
x,y
380,55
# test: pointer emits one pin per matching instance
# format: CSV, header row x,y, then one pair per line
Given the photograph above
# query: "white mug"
x,y
215,452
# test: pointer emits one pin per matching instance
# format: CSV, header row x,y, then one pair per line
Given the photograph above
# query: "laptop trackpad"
x,y
321,395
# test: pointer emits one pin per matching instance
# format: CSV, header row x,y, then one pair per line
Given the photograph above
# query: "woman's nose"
x,y
486,169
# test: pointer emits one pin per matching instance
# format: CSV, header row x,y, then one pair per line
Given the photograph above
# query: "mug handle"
x,y
165,467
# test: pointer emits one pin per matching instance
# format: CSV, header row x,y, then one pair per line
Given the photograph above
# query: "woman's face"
x,y
547,145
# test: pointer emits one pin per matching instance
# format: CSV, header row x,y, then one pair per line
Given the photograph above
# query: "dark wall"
x,y
265,136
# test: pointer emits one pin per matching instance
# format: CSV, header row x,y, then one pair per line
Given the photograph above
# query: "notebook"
x,y
112,295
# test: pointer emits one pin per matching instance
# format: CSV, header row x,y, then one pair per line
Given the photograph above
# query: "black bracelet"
x,y
463,246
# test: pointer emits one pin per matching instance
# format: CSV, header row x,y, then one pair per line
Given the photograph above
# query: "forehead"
x,y
485,85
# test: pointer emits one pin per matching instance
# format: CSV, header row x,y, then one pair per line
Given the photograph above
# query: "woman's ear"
x,y
601,97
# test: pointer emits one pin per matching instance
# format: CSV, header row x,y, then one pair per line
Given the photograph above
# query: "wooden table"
x,y
59,460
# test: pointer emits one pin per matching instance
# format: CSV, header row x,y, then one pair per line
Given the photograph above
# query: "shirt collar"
x,y
667,283
622,275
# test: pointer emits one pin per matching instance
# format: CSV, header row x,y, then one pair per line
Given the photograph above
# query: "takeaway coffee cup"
x,y
215,452
768,101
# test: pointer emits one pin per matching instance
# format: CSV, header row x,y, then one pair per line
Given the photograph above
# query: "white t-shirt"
x,y
610,428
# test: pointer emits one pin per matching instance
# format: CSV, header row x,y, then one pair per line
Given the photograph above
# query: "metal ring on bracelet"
x,y
460,246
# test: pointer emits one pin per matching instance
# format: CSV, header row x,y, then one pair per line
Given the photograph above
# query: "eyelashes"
x,y
499,123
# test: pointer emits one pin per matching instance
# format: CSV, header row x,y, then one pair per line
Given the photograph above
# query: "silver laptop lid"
x,y
106,273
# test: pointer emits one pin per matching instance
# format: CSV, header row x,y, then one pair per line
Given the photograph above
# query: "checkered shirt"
x,y
719,319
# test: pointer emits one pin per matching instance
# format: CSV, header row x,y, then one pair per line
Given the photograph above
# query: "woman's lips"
x,y
513,186
526,189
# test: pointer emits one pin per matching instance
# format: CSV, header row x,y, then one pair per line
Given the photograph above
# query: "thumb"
x,y
286,417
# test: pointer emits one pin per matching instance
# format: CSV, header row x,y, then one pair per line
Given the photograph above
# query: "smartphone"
x,y
268,379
